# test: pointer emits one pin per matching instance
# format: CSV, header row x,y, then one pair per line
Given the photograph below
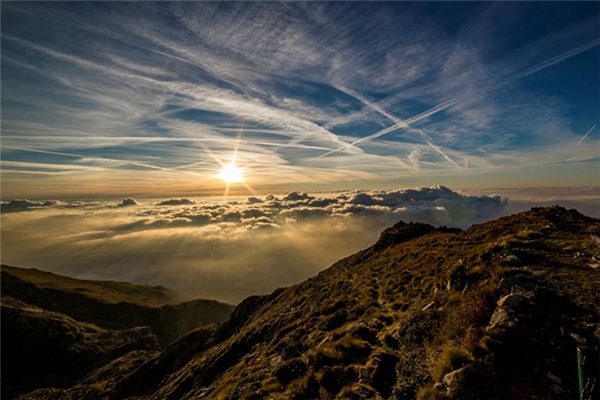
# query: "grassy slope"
x,y
393,320
105,291
110,304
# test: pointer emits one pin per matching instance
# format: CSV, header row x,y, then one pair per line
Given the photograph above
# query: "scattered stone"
x,y
514,300
453,378
509,311
508,257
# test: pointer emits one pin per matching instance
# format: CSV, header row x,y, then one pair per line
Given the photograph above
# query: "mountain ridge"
x,y
494,311
112,304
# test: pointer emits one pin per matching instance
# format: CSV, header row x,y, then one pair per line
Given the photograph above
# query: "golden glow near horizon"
x,y
230,173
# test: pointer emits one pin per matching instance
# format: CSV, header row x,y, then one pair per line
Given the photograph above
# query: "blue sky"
x,y
111,99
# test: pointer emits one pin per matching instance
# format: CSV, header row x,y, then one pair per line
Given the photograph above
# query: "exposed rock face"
x,y
425,313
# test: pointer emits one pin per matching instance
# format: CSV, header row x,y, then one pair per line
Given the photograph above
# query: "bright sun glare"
x,y
231,174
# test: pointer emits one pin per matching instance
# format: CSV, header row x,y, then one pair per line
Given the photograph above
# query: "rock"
x,y
508,257
514,301
452,379
500,318
509,310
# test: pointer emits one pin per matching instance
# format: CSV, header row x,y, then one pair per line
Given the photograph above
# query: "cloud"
x,y
230,250
24,204
159,100
224,250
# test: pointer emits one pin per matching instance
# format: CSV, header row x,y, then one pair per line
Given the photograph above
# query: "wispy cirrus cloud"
x,y
306,93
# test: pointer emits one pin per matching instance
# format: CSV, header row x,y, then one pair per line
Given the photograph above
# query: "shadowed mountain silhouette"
x,y
495,311
56,329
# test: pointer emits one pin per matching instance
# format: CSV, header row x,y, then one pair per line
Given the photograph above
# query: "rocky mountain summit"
x,y
495,311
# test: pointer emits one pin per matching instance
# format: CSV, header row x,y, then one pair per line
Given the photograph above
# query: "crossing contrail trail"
x,y
402,124
399,123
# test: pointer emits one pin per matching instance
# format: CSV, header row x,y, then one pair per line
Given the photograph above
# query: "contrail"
x,y
400,124
586,135
556,59
442,106
405,124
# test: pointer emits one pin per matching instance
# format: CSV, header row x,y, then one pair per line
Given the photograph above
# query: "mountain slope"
x,y
495,311
110,304
42,348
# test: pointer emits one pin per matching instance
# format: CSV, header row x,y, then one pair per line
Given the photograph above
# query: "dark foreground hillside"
x,y
111,304
56,329
496,311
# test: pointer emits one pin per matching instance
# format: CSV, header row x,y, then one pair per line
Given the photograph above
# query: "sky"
x,y
227,149
102,100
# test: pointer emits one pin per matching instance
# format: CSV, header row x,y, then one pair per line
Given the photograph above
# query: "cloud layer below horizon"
x,y
223,250
229,250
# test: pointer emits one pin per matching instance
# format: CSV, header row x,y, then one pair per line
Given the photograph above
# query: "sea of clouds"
x,y
221,249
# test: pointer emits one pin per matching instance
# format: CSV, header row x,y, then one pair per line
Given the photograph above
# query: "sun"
x,y
231,174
